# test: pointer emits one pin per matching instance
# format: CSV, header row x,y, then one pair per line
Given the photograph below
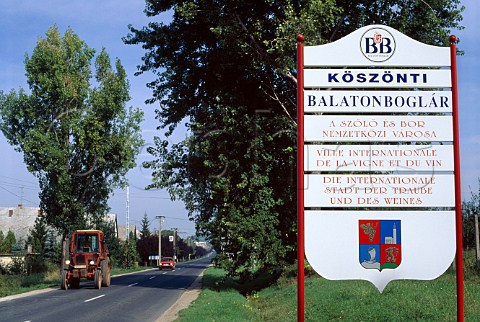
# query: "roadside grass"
x,y
218,301
402,300
17,284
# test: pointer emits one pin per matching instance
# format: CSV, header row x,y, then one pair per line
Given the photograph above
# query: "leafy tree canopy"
x,y
227,69
73,128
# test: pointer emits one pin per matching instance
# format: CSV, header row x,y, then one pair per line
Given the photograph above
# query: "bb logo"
x,y
377,45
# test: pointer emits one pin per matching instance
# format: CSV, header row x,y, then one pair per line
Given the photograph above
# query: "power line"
x,y
16,179
9,184
18,196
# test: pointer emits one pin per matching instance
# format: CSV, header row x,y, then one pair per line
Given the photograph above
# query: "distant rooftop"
x,y
18,219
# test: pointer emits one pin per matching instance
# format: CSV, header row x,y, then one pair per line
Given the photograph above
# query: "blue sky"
x,y
99,24
103,24
469,102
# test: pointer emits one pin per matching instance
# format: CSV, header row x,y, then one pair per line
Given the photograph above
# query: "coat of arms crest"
x,y
380,244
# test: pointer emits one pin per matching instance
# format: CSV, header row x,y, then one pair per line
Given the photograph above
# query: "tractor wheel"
x,y
97,281
75,283
64,285
105,265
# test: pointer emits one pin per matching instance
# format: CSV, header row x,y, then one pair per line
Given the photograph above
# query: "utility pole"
x,y
160,220
477,242
20,205
128,213
175,243
127,226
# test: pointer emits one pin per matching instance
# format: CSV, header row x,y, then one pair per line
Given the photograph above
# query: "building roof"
x,y
20,220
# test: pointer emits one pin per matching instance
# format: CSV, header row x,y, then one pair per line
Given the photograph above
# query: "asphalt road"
x,y
143,296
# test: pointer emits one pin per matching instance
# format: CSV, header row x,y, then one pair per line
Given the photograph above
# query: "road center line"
x,y
132,284
151,278
94,298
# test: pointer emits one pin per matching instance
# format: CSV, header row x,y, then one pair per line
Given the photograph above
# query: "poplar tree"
x,y
73,127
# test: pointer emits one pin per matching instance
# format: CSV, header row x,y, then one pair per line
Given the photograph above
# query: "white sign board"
x,y
378,101
374,190
392,158
377,171
398,78
341,128
336,252
364,47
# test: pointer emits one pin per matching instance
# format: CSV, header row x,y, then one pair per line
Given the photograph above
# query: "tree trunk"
x,y
64,252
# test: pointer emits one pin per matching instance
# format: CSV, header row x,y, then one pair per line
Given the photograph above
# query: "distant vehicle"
x,y
89,258
167,262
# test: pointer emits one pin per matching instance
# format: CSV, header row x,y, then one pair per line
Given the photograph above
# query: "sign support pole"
x,y
458,198
300,186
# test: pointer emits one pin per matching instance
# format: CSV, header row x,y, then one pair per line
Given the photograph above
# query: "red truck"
x,y
89,258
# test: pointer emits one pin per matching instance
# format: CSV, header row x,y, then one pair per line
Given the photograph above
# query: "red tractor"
x,y
89,258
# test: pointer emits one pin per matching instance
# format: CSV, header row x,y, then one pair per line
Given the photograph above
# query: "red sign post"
x,y
300,185
458,196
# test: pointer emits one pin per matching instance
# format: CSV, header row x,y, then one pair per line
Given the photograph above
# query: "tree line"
x,y
41,251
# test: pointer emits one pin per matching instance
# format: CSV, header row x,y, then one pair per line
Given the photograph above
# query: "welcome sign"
x,y
379,175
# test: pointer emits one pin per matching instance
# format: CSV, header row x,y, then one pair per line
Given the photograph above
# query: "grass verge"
x,y
404,300
16,284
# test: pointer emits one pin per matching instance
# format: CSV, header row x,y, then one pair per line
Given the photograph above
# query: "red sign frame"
x,y
300,181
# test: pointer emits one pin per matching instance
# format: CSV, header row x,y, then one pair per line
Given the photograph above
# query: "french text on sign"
x,y
394,158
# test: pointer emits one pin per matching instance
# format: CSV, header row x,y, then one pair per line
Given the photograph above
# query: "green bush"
x,y
35,264
17,266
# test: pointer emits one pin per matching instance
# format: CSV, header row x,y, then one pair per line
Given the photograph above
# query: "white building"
x,y
20,220
392,239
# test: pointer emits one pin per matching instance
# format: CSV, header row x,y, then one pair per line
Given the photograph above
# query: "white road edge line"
x,y
94,298
132,284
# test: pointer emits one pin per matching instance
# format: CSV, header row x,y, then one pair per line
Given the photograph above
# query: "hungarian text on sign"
x,y
380,78
340,128
378,101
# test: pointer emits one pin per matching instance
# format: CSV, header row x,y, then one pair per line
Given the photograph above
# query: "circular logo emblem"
x,y
377,45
